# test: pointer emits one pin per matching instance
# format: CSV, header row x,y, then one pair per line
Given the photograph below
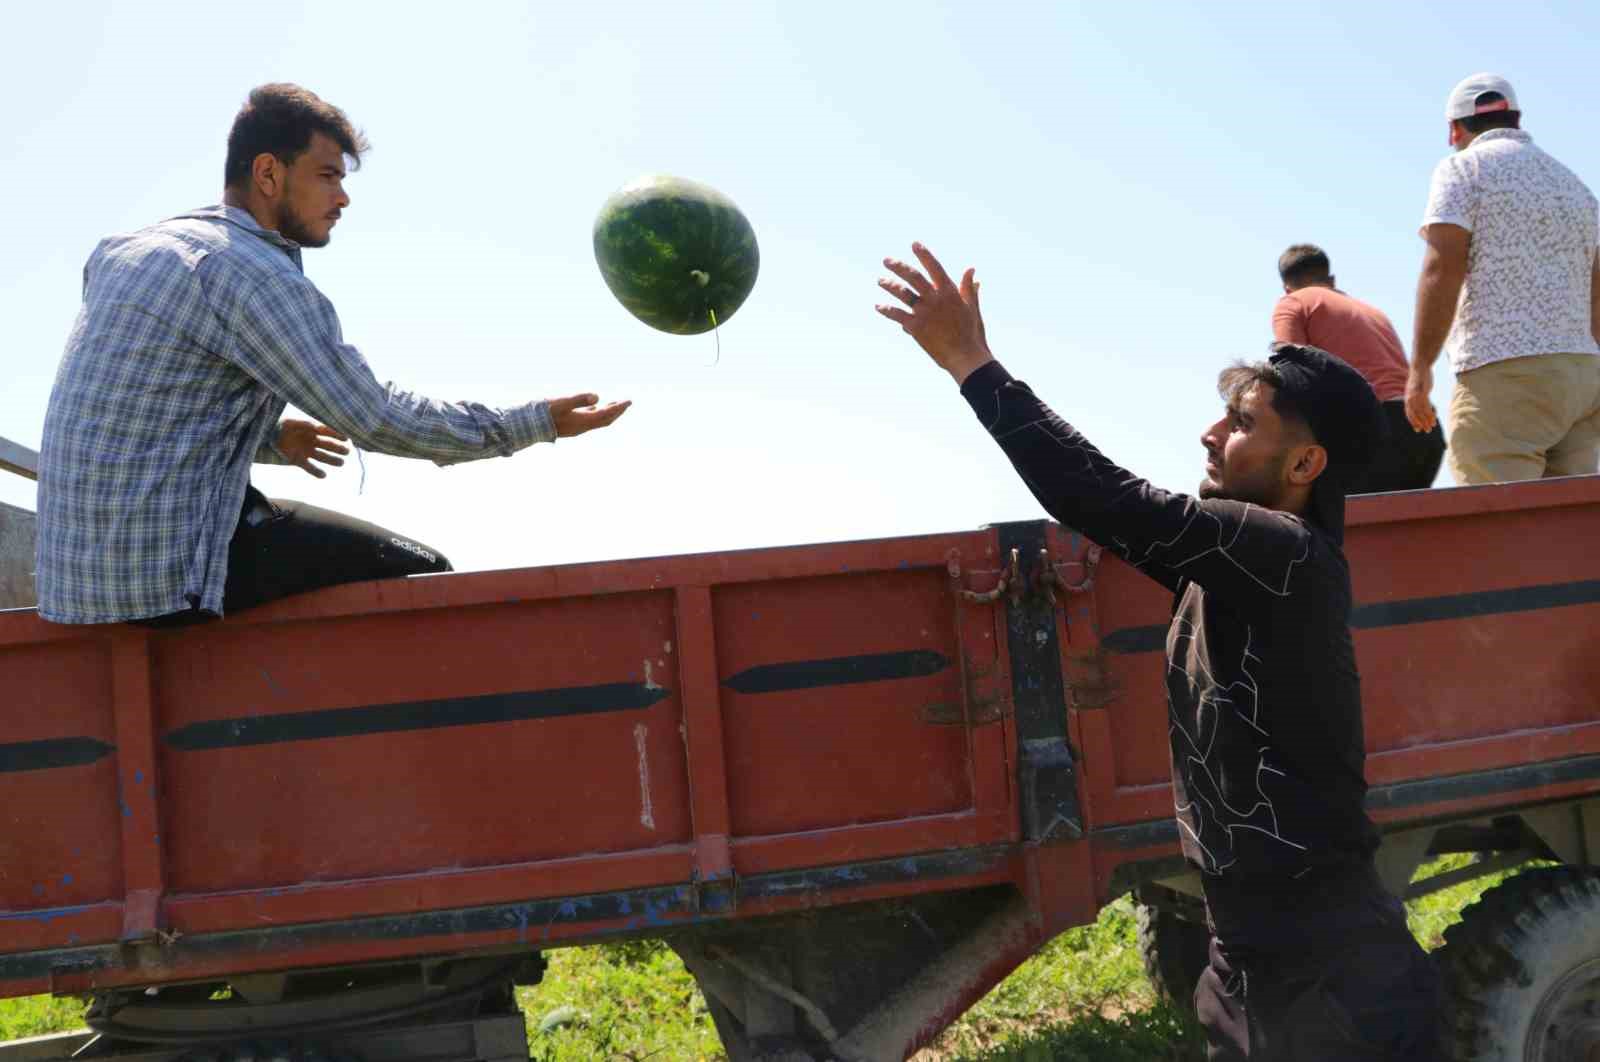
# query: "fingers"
x,y
896,314
577,421
306,464
899,291
559,406
918,282
941,279
969,288
609,414
1420,414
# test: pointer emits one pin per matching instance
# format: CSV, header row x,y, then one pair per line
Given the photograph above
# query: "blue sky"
x,y
1123,176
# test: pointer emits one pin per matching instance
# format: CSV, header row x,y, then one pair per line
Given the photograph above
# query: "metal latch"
x,y
1051,578
1010,579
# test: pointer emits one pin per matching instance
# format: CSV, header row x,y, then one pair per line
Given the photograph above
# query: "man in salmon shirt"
x,y
1316,313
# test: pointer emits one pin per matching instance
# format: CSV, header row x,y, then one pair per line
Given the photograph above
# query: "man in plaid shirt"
x,y
194,335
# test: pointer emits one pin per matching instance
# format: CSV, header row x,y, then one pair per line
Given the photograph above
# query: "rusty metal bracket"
x,y
981,702
715,886
1051,580
983,710
1009,580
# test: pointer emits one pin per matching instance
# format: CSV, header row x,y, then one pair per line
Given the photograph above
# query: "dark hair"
x,y
279,119
1478,123
1239,377
1304,263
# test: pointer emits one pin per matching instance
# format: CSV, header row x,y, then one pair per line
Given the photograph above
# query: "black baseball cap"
x,y
1344,416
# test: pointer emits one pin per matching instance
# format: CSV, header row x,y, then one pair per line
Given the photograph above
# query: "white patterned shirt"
x,y
193,335
1532,255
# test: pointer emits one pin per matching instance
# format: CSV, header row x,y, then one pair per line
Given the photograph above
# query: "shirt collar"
x,y
1503,134
245,220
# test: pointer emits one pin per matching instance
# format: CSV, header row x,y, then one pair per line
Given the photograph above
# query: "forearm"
x,y
1069,477
1438,293
289,340
1243,554
404,424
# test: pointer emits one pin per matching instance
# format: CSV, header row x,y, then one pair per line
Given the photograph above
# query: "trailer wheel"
x,y
1175,952
1521,971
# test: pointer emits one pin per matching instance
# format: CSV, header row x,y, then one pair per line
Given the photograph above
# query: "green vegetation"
x,y
1431,915
1085,991
38,1015
1083,997
618,1001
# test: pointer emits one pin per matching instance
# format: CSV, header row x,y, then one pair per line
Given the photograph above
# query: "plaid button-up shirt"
x,y
194,335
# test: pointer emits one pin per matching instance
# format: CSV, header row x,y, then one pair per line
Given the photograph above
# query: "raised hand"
x,y
941,315
577,414
302,442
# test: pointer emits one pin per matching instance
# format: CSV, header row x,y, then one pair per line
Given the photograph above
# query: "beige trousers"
x,y
1526,418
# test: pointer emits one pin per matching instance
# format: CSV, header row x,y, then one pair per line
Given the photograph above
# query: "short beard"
x,y
291,227
1256,492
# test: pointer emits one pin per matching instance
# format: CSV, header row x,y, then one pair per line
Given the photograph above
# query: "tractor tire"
x,y
1521,971
1175,952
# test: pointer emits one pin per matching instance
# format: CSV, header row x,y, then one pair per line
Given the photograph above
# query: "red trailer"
x,y
853,785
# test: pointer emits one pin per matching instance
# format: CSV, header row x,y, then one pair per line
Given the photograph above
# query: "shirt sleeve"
x,y
1242,554
1452,196
1289,321
287,336
268,453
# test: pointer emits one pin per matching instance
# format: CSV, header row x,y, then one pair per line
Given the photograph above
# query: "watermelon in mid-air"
x,y
678,254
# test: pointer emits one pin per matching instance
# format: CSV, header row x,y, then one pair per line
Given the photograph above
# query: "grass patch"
x,y
1429,916
1086,987
1158,1034
39,1016
1083,997
617,1001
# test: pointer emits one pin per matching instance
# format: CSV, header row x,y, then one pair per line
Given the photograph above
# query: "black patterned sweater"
x,y
1263,695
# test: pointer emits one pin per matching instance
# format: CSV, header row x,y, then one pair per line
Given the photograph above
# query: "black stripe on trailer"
x,y
1412,610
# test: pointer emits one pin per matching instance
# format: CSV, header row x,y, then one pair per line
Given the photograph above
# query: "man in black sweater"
x,y
1310,956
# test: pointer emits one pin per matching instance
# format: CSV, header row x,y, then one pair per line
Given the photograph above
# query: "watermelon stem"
x,y
715,334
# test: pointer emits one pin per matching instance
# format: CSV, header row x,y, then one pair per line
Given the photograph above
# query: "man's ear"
x,y
266,173
1309,462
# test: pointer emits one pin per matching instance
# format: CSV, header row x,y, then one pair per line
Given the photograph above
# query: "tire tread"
x,y
1490,947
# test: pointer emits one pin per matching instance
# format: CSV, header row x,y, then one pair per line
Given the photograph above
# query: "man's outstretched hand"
x,y
302,442
941,315
578,414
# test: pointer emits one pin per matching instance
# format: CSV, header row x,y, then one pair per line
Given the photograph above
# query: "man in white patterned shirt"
x,y
194,335
1510,286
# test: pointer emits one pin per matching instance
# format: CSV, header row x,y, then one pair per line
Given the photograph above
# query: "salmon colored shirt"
x,y
1359,333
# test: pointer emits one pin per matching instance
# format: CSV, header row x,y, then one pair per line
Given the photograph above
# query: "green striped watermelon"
x,y
678,254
